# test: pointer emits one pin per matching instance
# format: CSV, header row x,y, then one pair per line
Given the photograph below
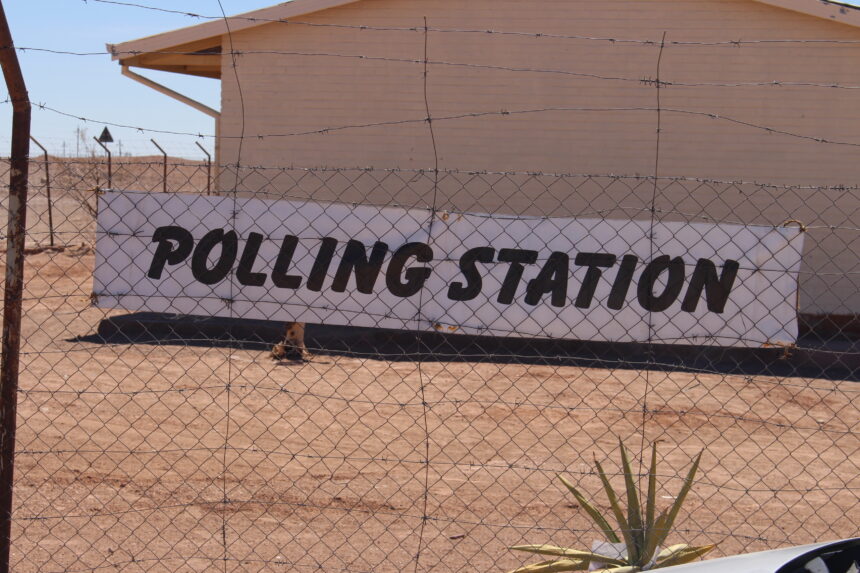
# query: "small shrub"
x,y
640,532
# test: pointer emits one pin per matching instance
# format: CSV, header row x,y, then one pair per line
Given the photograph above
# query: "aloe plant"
x,y
640,531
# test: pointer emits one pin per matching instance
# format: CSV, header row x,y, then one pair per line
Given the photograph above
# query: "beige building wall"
x,y
594,115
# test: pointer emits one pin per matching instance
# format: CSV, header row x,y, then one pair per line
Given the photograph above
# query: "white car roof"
x,y
760,562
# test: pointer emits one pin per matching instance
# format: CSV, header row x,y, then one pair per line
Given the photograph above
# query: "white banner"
x,y
586,279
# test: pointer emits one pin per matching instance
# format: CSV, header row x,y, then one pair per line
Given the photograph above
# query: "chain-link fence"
x,y
175,440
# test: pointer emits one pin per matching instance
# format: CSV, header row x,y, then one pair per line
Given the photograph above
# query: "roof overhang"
x,y
833,11
196,50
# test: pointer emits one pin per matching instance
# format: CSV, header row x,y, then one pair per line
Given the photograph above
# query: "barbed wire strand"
x,y
468,115
417,29
472,65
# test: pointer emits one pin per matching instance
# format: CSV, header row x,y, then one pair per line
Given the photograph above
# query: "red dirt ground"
x,y
177,456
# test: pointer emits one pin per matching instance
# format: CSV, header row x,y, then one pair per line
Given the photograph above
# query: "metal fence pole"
x,y
208,168
110,168
164,177
48,190
14,287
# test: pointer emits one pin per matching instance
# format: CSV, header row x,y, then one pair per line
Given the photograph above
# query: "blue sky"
x,y
91,86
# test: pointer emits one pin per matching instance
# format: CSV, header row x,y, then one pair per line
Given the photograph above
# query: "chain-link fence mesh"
x,y
178,442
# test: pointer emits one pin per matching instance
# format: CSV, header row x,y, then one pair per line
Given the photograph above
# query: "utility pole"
x,y
13,290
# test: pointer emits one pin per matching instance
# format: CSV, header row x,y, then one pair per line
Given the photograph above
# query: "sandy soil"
x,y
179,456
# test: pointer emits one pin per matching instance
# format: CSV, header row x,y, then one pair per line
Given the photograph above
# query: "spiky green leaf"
x,y
651,499
591,511
654,537
625,569
623,525
634,511
671,550
566,552
683,554
648,545
554,566
679,501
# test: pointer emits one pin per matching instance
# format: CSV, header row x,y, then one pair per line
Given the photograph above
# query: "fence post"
x,y
110,169
14,287
208,168
48,190
164,177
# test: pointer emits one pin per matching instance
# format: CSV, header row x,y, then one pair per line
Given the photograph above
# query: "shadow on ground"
x,y
837,358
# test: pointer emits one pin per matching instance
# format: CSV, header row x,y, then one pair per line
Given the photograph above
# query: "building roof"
x,y
196,50
827,9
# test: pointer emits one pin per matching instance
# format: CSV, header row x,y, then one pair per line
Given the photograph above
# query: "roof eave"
x,y
215,29
832,11
181,45
201,58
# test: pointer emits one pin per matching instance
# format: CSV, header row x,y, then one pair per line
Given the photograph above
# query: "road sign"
x,y
106,137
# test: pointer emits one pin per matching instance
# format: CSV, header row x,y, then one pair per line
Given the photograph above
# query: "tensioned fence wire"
x,y
173,440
